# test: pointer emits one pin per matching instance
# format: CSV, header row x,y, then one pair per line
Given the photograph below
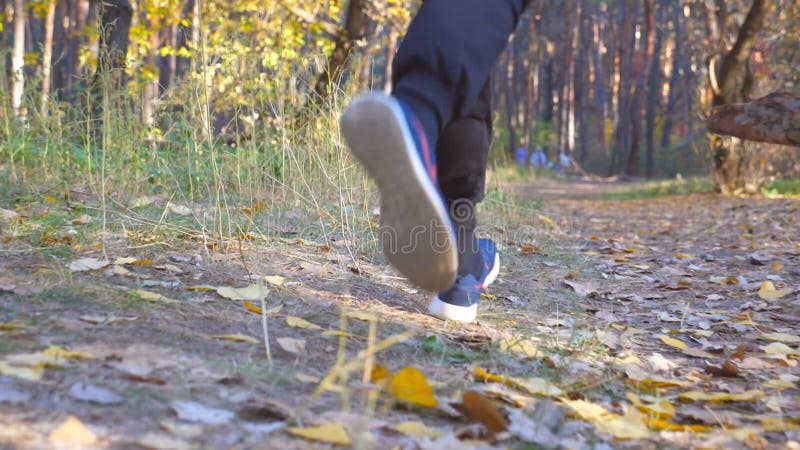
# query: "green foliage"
x,y
783,187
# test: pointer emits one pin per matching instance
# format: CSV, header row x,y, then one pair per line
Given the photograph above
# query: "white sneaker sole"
x,y
415,233
465,314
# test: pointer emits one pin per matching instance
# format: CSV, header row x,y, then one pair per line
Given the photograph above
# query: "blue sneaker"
x,y
460,302
416,231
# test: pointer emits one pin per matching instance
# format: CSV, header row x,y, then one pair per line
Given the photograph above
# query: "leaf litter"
x,y
683,301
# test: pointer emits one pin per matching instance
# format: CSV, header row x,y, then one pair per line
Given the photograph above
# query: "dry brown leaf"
x,y
481,409
87,264
237,338
292,345
782,337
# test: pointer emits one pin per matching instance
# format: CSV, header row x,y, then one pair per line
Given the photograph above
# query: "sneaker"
x,y
416,232
460,302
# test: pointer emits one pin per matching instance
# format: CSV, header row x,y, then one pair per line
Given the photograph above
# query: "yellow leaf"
x,y
547,221
672,342
621,258
292,345
655,384
521,346
252,308
275,280
416,429
11,326
50,199
56,352
409,384
34,373
237,338
662,425
153,296
588,411
768,291
782,337
661,410
624,427
776,266
778,350
330,432
73,434
680,255
779,384
297,322
482,375
251,292
536,386
776,424
717,397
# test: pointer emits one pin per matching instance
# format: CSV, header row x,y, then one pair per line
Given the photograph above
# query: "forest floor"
x,y
661,322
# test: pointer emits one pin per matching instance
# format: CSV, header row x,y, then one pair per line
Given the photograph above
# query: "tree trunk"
x,y
391,49
674,77
653,93
774,119
47,55
599,83
18,58
730,85
115,24
624,97
343,46
510,100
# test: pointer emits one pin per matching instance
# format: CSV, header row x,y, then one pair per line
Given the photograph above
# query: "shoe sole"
x,y
464,314
415,232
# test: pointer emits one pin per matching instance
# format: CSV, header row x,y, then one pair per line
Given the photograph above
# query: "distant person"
x,y
439,109
538,158
521,157
564,162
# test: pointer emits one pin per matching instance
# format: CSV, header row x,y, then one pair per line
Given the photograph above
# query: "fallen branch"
x,y
774,119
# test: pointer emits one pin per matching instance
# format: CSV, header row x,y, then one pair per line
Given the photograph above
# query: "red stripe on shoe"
x,y
426,150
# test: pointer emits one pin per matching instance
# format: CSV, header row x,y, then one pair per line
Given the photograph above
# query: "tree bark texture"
x,y
773,119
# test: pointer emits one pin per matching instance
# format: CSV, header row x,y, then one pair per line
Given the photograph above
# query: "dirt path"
x,y
642,323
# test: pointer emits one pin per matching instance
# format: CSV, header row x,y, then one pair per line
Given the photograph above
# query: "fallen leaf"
x,y
588,411
379,374
768,291
779,384
782,337
298,322
237,338
196,412
87,264
180,209
481,409
662,409
153,296
162,441
72,433
717,397
536,386
672,342
416,429
522,346
409,384
251,292
330,432
53,356
778,350
34,373
624,427
257,309
275,280
11,326
292,345
95,394
776,424
680,255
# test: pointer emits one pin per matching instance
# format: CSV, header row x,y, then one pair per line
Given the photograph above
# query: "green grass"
x,y
660,188
786,187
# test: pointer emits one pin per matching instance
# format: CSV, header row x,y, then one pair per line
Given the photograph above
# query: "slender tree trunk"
x,y
391,50
509,97
624,95
47,55
599,83
18,58
674,77
343,46
653,93
730,85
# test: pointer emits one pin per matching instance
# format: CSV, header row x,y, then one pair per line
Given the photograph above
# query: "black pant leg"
x,y
447,55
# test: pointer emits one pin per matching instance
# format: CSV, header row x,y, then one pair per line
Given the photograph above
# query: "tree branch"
x,y
311,19
773,119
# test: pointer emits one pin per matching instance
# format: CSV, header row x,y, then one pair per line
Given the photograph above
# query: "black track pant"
x,y
442,71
